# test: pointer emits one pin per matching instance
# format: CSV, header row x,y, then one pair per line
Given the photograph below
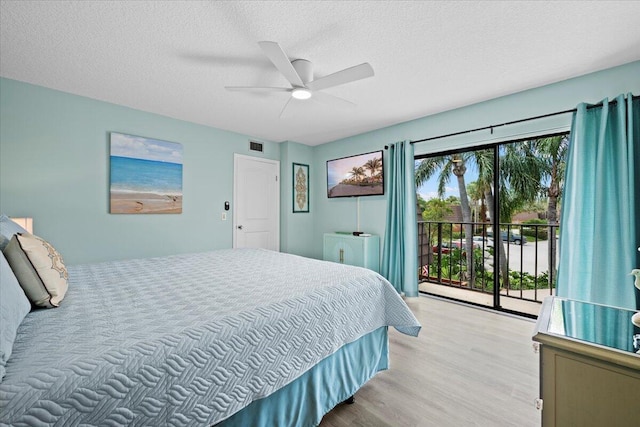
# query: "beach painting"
x,y
146,175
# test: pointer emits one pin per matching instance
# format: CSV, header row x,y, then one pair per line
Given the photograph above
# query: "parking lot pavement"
x,y
524,257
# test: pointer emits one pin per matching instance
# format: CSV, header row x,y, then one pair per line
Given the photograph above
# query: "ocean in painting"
x,y
145,176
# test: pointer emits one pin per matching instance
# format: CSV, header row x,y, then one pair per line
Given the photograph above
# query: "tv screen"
x,y
361,175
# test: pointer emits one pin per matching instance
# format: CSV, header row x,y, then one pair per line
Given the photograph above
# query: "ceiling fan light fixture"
x,y
301,93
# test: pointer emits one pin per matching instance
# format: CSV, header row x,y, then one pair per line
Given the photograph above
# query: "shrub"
x,y
539,233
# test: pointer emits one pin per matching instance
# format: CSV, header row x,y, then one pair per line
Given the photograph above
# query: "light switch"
x,y
224,216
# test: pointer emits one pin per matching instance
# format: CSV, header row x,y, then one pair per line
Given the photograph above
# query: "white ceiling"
x,y
174,57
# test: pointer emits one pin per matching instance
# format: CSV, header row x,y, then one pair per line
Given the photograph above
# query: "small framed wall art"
x,y
300,188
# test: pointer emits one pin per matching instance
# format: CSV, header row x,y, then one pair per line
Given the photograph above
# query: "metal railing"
x,y
523,268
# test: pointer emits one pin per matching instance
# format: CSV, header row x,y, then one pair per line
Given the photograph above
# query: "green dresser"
x,y
353,250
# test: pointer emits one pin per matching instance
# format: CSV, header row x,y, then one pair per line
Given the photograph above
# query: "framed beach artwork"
x,y
146,175
300,188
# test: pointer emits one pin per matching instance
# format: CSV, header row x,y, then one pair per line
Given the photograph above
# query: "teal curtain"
x,y
599,230
400,251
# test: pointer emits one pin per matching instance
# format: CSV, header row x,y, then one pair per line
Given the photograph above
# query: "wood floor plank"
x,y
468,367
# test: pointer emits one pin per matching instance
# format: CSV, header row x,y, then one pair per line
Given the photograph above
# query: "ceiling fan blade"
x,y
347,75
256,89
277,56
332,100
286,112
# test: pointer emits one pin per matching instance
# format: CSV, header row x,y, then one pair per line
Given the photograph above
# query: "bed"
x,y
230,337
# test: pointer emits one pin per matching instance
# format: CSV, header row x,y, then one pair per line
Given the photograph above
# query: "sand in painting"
x,y
134,202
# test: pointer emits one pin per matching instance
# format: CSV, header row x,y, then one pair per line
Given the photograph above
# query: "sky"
x,y
338,169
138,147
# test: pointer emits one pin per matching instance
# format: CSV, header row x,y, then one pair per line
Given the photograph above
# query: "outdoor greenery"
x,y
531,175
434,209
454,263
539,233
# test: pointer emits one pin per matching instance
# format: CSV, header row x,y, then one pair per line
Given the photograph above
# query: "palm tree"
x,y
520,175
357,172
552,152
521,170
476,196
448,165
373,165
484,162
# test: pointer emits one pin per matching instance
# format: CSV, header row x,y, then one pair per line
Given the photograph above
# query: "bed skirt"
x,y
306,400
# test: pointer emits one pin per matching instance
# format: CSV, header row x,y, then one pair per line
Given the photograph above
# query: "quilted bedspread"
x,y
187,340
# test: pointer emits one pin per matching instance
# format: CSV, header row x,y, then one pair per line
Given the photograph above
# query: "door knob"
x,y
239,227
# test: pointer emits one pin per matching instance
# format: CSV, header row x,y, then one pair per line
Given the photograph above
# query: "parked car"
x,y
447,247
456,244
511,237
479,242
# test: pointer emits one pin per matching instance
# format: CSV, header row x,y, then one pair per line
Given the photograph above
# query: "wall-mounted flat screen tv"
x,y
361,175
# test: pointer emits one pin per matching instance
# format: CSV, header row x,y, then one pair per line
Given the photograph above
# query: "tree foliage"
x,y
436,210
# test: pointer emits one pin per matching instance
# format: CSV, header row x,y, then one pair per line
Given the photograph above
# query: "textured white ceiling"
x,y
174,57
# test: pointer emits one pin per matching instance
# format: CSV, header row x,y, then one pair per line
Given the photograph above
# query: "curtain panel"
x,y
400,250
599,230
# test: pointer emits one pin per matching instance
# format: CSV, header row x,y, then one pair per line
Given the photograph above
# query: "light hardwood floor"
x,y
468,367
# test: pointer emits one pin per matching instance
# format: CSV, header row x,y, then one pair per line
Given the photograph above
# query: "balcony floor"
x,y
486,299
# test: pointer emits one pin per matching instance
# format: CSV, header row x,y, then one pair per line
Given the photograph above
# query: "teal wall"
x,y
54,167
340,214
54,163
296,229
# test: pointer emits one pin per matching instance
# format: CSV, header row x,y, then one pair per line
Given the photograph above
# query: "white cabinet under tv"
x,y
361,251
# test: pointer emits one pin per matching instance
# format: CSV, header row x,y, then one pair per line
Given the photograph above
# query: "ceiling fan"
x,y
299,73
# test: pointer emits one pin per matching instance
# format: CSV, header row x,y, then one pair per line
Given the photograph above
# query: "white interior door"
x,y
256,195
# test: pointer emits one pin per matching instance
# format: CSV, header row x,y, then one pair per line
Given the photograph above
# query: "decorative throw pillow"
x,y
39,269
7,229
14,305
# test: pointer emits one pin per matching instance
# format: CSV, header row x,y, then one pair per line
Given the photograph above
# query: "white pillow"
x,y
39,269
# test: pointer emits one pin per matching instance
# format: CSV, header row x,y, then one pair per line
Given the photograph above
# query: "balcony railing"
x,y
446,257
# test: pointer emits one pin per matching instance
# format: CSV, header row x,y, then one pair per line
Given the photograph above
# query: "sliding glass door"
x,y
493,248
